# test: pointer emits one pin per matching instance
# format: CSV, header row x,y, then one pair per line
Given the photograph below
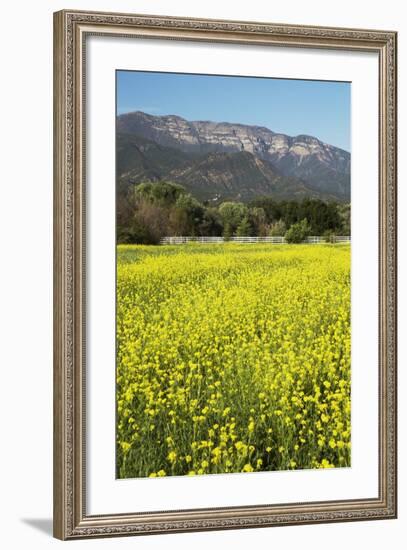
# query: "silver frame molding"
x,y
70,31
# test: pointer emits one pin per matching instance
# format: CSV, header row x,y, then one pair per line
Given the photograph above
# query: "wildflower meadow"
x,y
232,358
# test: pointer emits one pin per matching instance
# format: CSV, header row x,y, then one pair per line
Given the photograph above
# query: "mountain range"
x,y
216,161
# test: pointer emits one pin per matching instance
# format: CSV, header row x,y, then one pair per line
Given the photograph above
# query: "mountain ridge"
x,y
319,169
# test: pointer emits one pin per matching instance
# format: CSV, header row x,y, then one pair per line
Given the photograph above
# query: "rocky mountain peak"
x,y
323,167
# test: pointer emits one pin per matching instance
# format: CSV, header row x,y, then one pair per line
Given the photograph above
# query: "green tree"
x,y
232,213
244,228
211,224
190,213
227,232
163,193
270,207
297,232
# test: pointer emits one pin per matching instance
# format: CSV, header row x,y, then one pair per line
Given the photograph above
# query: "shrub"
x,y
298,231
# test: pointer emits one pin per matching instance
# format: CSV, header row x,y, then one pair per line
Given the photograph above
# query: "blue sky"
x,y
316,108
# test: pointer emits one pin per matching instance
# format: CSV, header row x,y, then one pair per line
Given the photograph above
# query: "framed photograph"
x,y
225,274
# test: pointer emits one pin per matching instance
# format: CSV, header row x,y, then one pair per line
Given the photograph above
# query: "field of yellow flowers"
x,y
232,358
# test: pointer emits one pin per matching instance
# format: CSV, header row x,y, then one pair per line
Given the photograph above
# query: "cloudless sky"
x,y
293,107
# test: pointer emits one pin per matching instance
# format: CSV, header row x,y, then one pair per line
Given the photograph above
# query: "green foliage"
x,y
186,216
211,223
138,233
298,231
232,213
151,210
227,232
192,207
244,228
320,215
162,192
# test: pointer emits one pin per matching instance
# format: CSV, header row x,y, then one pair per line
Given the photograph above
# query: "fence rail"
x,y
272,240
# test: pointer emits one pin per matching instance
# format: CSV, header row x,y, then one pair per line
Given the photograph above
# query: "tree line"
x,y
152,210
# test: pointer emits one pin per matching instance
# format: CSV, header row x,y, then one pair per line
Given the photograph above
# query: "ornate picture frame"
x,y
71,31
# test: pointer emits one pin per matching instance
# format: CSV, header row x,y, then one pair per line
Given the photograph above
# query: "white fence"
x,y
272,240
